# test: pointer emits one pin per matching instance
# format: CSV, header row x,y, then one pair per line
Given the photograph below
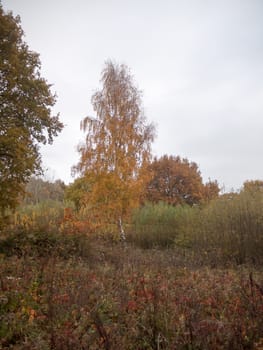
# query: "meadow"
x,y
187,278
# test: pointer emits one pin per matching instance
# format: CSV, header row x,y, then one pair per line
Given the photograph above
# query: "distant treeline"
x,y
39,190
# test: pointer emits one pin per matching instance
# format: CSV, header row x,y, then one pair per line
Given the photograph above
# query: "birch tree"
x,y
117,148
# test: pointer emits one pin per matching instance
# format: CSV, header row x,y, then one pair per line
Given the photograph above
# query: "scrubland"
x,y
187,278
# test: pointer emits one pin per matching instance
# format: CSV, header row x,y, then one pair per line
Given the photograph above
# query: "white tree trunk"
x,y
121,230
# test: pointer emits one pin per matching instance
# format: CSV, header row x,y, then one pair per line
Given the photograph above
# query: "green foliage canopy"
x,y
25,111
76,192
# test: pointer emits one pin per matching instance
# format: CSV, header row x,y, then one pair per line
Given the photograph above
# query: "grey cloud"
x,y
199,63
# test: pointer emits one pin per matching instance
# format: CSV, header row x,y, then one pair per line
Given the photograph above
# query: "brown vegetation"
x,y
66,284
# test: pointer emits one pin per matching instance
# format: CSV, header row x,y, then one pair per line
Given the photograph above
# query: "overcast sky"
x,y
199,64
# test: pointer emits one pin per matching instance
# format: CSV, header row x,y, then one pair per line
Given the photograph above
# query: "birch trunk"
x,y
121,230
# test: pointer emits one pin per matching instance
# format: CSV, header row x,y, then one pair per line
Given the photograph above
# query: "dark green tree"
x,y
25,112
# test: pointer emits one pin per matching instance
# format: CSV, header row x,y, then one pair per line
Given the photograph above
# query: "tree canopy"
x,y
25,111
253,186
77,191
178,181
118,143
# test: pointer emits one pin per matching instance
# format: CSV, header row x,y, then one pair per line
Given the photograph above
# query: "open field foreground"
x,y
132,248
107,296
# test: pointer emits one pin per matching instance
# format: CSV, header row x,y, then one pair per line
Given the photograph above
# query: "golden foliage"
x,y
117,148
